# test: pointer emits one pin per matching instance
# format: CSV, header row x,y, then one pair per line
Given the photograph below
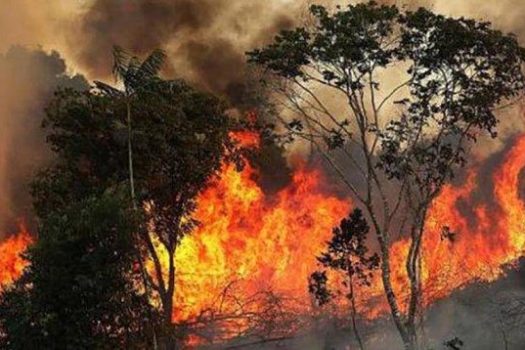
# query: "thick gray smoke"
x,y
205,39
29,78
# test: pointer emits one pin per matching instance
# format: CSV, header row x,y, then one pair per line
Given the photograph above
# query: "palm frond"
x,y
151,66
132,72
121,59
107,89
132,78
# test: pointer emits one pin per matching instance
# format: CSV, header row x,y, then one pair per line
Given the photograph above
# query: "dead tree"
x,y
234,319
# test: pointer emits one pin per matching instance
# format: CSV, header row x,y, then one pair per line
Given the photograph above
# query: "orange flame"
x,y
488,238
272,242
246,139
11,262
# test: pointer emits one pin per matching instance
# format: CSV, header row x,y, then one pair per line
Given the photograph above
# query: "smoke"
x,y
506,15
29,78
29,71
206,40
483,316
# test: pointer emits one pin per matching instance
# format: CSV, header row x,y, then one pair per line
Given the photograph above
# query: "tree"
x,y
182,152
134,75
392,100
347,254
180,138
78,291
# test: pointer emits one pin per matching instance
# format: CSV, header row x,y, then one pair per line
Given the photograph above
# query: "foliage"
x,y
458,70
79,291
347,255
179,138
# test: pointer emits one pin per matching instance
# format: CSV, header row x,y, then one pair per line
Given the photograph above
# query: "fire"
x,y
487,238
493,237
246,138
267,242
272,242
251,239
11,262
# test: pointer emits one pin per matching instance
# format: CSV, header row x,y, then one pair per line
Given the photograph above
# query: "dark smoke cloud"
x,y
139,26
213,64
206,39
29,78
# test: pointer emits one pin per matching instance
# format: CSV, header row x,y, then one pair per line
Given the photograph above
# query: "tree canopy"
x,y
79,291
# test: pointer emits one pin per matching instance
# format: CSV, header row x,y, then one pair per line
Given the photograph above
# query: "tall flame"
x,y
489,237
272,242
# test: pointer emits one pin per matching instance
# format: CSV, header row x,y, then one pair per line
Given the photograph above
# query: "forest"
x,y
215,174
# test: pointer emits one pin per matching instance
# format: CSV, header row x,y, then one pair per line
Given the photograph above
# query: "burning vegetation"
x,y
248,243
247,237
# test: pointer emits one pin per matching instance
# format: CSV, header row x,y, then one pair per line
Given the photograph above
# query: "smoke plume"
x,y
205,39
29,78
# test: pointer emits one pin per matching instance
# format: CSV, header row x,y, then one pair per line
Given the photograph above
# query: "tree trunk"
x,y
130,155
169,338
411,342
413,267
354,312
167,303
388,288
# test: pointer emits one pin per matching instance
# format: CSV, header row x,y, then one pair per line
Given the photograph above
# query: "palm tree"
x,y
133,74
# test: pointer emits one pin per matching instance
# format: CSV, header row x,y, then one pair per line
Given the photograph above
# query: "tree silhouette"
x,y
346,254
134,75
78,291
179,139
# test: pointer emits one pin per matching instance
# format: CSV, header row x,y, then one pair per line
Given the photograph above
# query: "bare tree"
x,y
234,319
391,100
